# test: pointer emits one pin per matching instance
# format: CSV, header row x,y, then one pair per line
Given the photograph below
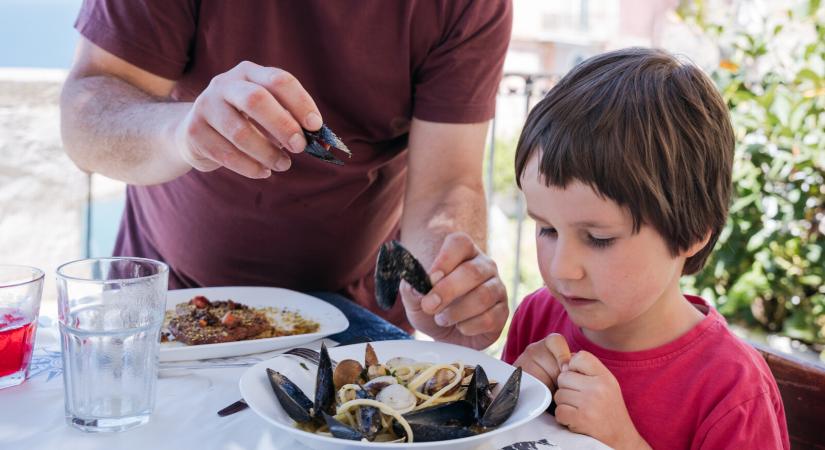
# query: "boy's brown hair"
x,y
647,131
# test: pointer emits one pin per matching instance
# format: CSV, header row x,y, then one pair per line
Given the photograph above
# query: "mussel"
x,y
462,418
394,263
296,404
320,142
303,411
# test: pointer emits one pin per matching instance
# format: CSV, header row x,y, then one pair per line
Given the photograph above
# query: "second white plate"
x,y
330,319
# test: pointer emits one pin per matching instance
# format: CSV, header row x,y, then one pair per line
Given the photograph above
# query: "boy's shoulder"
x,y
736,387
724,348
731,372
722,352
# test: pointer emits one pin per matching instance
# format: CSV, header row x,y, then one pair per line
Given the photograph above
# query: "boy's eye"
x,y
599,242
547,231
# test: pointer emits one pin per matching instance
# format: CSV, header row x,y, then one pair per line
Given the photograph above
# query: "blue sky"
x,y
37,33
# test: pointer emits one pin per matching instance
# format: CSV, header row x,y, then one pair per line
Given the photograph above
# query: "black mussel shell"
x,y
442,422
339,430
324,386
368,418
394,263
315,145
505,402
292,399
479,392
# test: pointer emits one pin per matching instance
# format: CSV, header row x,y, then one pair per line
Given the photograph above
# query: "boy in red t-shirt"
x,y
626,169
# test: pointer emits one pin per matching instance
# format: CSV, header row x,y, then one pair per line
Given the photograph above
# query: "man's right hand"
x,y
248,120
545,359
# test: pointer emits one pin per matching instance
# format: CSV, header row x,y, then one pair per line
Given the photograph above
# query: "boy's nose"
x,y
564,263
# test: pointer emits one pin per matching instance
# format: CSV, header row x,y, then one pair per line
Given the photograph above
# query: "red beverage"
x,y
16,342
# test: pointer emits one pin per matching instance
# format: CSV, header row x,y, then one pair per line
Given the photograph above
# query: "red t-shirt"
x,y
370,65
706,390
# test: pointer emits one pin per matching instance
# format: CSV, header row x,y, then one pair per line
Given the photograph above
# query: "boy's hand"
x,y
589,401
545,359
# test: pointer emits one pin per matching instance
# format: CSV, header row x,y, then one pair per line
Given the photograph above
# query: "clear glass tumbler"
x,y
111,311
20,291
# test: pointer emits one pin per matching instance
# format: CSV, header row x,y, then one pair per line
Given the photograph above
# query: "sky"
x,y
37,33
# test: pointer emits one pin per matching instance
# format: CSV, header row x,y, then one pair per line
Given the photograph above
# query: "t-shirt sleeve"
x,y
753,424
155,35
458,81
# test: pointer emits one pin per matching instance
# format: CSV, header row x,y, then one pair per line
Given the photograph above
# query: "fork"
x,y
301,352
309,355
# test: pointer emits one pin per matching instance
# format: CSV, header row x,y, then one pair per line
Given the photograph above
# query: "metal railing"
x,y
531,87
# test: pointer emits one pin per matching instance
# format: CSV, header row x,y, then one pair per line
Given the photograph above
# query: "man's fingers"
x,y
460,281
216,147
410,298
246,138
261,106
557,345
456,248
288,91
492,319
475,303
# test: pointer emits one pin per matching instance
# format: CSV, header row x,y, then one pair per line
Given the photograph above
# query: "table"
x,y
188,395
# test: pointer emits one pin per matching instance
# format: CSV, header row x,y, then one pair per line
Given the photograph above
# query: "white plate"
x,y
330,319
534,397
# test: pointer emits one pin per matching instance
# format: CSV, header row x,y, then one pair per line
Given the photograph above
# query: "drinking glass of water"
x,y
20,290
111,311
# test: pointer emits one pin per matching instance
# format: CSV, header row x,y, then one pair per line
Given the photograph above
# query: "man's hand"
x,y
244,119
589,401
468,302
546,359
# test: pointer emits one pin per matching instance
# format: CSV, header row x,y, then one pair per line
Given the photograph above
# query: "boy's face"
x,y
605,276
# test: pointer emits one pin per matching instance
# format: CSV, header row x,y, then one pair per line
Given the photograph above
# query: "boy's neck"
x,y
667,320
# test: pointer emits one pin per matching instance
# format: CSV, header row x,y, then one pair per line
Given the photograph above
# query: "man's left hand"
x,y
468,302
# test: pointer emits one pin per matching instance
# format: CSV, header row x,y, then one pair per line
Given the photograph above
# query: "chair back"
x,y
802,387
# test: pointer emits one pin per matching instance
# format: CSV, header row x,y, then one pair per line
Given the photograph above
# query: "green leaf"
x,y
781,108
813,6
811,280
808,74
741,203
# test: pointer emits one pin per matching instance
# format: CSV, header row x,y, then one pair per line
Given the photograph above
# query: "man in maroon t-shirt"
x,y
161,87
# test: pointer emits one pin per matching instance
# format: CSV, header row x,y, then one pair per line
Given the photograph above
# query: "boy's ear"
x,y
697,246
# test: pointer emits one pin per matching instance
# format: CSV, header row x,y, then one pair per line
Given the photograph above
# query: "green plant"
x,y
768,267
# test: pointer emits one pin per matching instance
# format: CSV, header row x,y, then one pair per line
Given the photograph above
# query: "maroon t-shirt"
x,y
370,66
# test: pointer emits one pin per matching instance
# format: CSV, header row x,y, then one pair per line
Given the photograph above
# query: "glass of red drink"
x,y
20,291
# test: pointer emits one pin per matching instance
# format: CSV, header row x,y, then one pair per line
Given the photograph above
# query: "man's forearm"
x,y
426,222
115,129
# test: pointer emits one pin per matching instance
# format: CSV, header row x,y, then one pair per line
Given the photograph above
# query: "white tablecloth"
x,y
32,414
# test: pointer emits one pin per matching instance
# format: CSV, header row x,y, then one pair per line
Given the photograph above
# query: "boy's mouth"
x,y
577,301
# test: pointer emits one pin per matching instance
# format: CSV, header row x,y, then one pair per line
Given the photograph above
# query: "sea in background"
x,y
38,33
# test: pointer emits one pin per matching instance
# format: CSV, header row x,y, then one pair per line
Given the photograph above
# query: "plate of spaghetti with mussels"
x,y
393,394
